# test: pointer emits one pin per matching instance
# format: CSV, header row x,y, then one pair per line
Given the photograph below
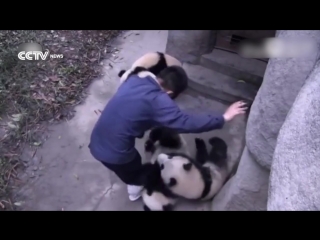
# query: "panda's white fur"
x,y
144,74
157,201
154,62
190,182
199,178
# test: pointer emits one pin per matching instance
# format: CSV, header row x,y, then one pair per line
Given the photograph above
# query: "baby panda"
x,y
164,140
153,62
200,178
156,196
172,77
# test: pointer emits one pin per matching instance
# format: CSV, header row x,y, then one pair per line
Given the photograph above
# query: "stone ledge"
x,y
217,85
233,65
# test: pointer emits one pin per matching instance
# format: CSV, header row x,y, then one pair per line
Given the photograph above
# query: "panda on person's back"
x,y
153,62
200,178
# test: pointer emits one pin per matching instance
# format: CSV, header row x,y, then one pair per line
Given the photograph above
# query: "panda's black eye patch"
x,y
187,166
172,182
149,146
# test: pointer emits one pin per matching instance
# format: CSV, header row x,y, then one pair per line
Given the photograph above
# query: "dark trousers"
x,y
130,173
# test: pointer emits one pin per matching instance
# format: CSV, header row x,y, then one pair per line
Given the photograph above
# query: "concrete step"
x,y
233,65
218,85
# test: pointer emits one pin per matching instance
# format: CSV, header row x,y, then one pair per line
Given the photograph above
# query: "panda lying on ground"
x,y
177,175
198,179
156,196
153,62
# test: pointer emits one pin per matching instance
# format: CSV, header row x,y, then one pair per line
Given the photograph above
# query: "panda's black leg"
x,y
169,138
160,65
154,135
138,70
145,208
121,73
218,153
201,151
168,207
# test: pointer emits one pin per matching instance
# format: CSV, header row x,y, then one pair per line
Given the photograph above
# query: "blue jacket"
x,y
138,105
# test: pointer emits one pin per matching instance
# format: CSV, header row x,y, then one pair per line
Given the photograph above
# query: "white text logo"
x,y
33,51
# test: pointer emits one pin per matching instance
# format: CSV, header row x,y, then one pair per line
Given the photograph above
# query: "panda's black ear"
x,y
187,166
172,182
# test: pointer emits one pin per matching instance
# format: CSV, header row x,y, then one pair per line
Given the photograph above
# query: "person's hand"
x,y
235,109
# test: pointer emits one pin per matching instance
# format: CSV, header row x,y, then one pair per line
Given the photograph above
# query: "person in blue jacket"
x,y
139,105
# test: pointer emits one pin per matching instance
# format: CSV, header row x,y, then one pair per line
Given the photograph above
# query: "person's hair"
x,y
175,79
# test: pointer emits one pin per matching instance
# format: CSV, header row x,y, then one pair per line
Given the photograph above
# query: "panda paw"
x,y
121,73
199,143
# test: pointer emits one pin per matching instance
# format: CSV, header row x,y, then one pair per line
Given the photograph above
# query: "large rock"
x,y
247,190
189,45
295,172
282,81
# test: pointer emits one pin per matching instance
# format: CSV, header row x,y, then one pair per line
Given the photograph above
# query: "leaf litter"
x,y
36,92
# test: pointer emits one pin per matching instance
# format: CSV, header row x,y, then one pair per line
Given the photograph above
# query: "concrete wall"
x,y
295,171
282,82
189,45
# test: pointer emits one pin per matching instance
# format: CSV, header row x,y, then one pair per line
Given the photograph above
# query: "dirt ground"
x,y
33,93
